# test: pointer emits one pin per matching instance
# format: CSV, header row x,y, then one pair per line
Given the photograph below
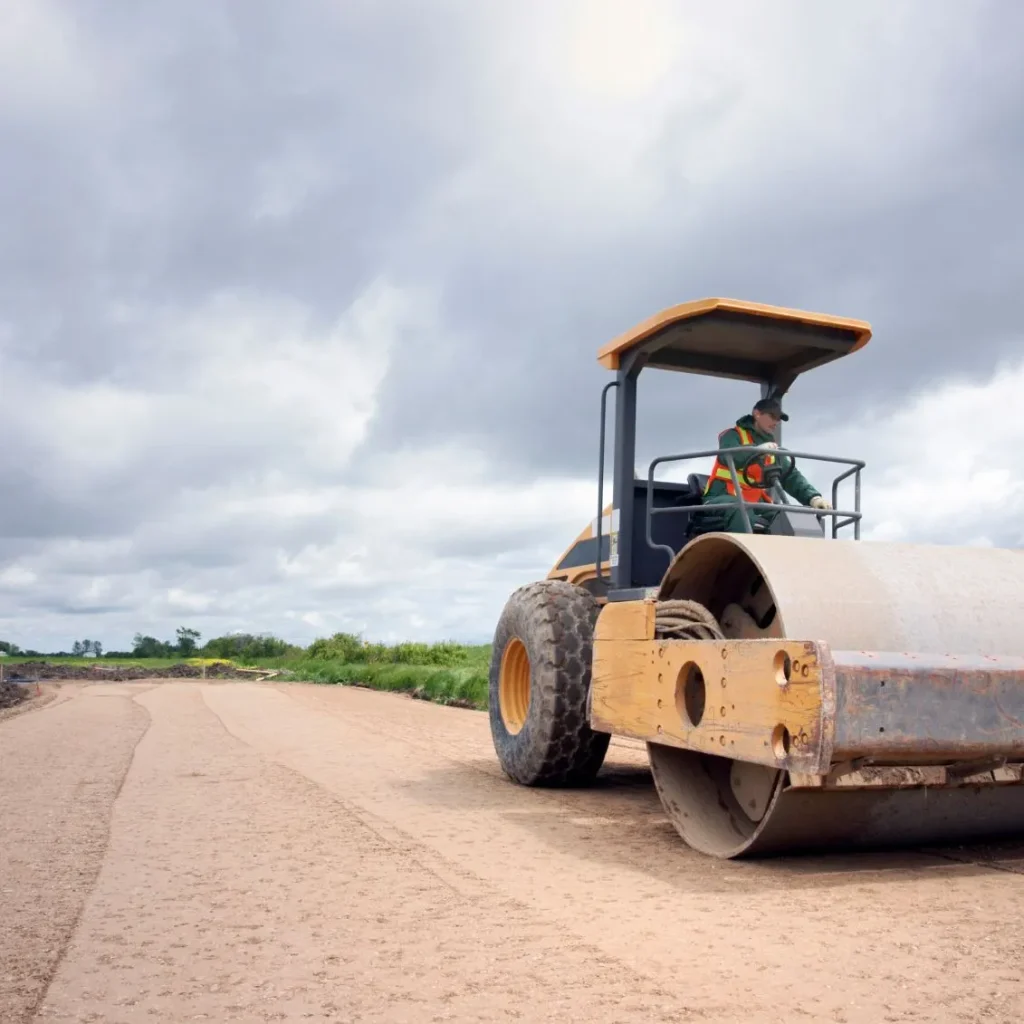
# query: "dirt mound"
x,y
11,694
30,670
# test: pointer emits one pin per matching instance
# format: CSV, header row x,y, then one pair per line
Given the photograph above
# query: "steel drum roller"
x,y
882,599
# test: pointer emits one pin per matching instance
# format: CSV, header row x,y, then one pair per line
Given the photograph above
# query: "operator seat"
x,y
697,482
692,495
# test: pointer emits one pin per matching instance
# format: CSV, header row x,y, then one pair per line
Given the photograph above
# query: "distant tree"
x,y
248,647
188,641
77,649
149,647
6,647
97,648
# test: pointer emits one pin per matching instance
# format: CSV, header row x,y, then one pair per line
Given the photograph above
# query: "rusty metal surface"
x,y
920,708
838,706
959,696
703,808
810,820
965,712
697,794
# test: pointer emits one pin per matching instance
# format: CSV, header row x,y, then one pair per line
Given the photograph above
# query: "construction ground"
x,y
234,851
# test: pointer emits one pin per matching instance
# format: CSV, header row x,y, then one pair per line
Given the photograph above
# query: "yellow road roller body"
x,y
797,688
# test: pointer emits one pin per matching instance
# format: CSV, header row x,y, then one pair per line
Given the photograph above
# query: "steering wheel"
x,y
770,475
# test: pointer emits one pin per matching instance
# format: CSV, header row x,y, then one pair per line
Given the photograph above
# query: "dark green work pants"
x,y
731,521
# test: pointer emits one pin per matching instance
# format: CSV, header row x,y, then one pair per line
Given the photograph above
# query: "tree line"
x,y
186,644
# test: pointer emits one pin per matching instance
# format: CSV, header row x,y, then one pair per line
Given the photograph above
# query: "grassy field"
x,y
445,673
465,686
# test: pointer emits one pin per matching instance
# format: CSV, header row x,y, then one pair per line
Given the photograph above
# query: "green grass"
x,y
460,679
464,686
454,673
462,656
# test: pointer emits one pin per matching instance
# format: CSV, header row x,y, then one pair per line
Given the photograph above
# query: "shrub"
x,y
459,686
349,649
342,647
248,647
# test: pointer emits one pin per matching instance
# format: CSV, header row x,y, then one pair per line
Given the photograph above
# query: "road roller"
x,y
798,688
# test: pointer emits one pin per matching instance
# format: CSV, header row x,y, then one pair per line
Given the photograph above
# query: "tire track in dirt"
x,y
237,889
60,775
325,854
868,937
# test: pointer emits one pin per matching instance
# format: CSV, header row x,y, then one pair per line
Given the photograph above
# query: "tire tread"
x,y
556,746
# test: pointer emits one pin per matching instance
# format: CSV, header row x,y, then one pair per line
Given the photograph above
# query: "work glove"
x,y
819,502
766,444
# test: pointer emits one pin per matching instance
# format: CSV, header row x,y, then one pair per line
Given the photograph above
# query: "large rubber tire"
x,y
539,684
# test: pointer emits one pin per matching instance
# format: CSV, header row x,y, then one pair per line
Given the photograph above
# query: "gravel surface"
x,y
257,852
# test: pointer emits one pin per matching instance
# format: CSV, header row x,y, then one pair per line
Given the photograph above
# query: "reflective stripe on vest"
x,y
720,471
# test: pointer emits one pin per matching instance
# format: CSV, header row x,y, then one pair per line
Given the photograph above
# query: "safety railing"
x,y
840,518
600,476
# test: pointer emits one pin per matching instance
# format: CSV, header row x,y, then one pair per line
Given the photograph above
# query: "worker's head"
x,y
767,415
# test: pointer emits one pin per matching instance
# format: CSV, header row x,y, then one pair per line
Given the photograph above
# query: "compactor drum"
x,y
797,688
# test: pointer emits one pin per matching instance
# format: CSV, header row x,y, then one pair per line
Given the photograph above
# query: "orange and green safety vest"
x,y
745,434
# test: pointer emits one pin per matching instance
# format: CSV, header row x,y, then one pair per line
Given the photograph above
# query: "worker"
x,y
756,431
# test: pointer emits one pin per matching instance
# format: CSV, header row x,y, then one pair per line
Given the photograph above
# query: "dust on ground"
x,y
250,852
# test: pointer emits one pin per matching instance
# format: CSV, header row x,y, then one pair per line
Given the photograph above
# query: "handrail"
x,y
727,455
600,477
855,471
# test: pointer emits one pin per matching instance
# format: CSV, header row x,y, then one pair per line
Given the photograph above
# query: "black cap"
x,y
771,405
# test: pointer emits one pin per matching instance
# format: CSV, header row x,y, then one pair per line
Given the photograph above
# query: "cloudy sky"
x,y
299,302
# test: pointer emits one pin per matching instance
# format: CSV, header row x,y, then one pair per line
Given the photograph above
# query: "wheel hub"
x,y
514,685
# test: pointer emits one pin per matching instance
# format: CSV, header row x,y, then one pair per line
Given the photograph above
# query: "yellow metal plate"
x,y
762,701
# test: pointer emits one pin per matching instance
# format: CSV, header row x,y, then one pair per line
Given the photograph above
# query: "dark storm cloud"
x,y
152,197
262,147
923,240
297,152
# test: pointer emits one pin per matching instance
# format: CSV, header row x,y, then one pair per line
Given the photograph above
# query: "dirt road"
x,y
241,852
